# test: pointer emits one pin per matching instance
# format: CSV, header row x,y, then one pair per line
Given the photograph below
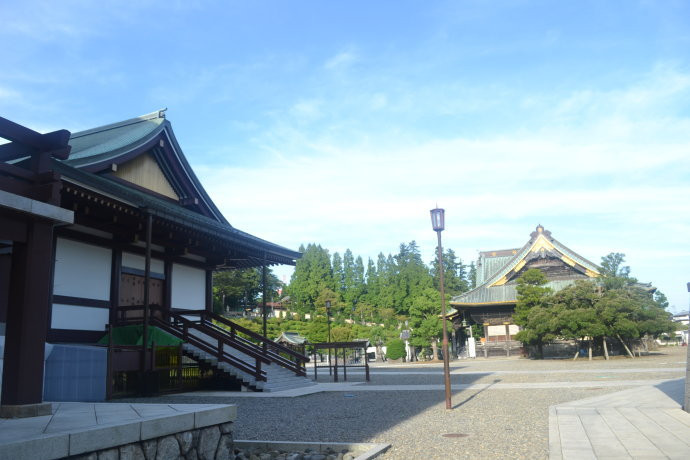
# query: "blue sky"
x,y
343,123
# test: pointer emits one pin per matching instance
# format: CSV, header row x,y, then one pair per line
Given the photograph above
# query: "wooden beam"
x,y
41,142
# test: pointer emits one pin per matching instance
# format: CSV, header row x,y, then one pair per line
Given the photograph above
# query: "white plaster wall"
x,y
82,270
81,318
139,262
501,330
188,287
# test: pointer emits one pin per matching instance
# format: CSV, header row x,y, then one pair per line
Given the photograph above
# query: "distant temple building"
x,y
492,303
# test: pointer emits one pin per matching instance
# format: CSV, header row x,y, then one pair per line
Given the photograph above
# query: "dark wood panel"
x,y
81,301
74,336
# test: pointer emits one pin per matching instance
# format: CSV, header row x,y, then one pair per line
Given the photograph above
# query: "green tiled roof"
x,y
490,265
171,211
110,141
506,293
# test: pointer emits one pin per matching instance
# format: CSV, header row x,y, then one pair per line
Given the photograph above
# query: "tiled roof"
x,y
171,211
491,291
110,141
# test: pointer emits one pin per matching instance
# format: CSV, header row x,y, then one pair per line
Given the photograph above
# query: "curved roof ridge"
x,y
149,116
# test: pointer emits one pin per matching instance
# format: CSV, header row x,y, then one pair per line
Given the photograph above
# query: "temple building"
x,y
108,227
492,303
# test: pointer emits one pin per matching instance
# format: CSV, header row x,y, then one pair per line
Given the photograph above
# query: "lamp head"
x,y
438,219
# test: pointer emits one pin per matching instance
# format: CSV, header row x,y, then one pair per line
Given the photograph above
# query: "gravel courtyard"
x,y
500,406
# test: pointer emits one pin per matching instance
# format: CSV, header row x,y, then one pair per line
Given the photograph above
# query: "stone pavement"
x,y
75,428
646,422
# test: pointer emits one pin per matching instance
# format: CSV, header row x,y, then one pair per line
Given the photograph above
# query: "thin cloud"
x,y
341,60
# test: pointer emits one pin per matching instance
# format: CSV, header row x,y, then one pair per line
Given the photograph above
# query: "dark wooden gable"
x,y
551,263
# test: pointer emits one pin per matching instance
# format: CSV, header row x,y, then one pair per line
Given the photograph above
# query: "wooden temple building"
x,y
110,226
492,303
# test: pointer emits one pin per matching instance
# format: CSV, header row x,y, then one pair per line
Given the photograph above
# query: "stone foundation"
x,y
210,443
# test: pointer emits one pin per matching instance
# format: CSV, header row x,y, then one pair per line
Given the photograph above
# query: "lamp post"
x,y
328,320
438,224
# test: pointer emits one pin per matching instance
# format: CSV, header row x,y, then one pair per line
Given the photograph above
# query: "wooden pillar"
x,y
486,340
29,304
507,325
209,291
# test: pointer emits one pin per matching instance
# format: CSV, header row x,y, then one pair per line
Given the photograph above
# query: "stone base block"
x,y
26,410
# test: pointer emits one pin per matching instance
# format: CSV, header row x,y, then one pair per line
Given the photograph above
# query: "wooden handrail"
x,y
298,362
250,333
218,352
206,325
179,327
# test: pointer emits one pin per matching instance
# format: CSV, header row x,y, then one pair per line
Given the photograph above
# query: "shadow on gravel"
x,y
476,394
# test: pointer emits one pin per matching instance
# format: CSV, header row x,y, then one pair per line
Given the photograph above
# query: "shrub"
x,y
395,349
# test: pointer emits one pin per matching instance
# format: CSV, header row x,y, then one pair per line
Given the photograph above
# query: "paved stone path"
x,y
645,422
75,428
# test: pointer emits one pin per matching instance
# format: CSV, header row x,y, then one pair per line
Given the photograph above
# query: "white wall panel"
x,y
82,270
188,287
81,318
139,262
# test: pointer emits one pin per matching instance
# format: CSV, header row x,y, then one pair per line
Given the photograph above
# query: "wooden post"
x,y
507,325
109,365
315,376
335,366
27,316
147,294
345,364
179,366
366,364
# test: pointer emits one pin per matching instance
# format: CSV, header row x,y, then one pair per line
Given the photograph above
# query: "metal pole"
x,y
328,320
446,365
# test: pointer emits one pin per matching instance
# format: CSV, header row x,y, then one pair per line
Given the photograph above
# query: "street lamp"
x,y
438,224
328,320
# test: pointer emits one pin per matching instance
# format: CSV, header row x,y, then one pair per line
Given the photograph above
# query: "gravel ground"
x,y
505,424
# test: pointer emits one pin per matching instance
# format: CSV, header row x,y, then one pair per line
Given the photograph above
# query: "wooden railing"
x,y
275,352
223,332
177,325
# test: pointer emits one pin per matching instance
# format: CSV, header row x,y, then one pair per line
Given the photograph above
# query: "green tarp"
x,y
133,335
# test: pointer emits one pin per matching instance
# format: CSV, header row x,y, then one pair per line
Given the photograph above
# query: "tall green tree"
x,y
532,311
371,288
313,274
235,290
425,319
411,279
472,276
454,273
338,274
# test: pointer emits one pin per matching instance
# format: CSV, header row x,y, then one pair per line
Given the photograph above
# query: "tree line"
x,y
381,295
400,291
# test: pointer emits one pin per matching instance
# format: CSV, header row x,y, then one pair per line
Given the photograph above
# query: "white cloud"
x,y
603,183
341,60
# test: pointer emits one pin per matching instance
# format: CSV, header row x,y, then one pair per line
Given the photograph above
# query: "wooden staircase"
x,y
256,362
